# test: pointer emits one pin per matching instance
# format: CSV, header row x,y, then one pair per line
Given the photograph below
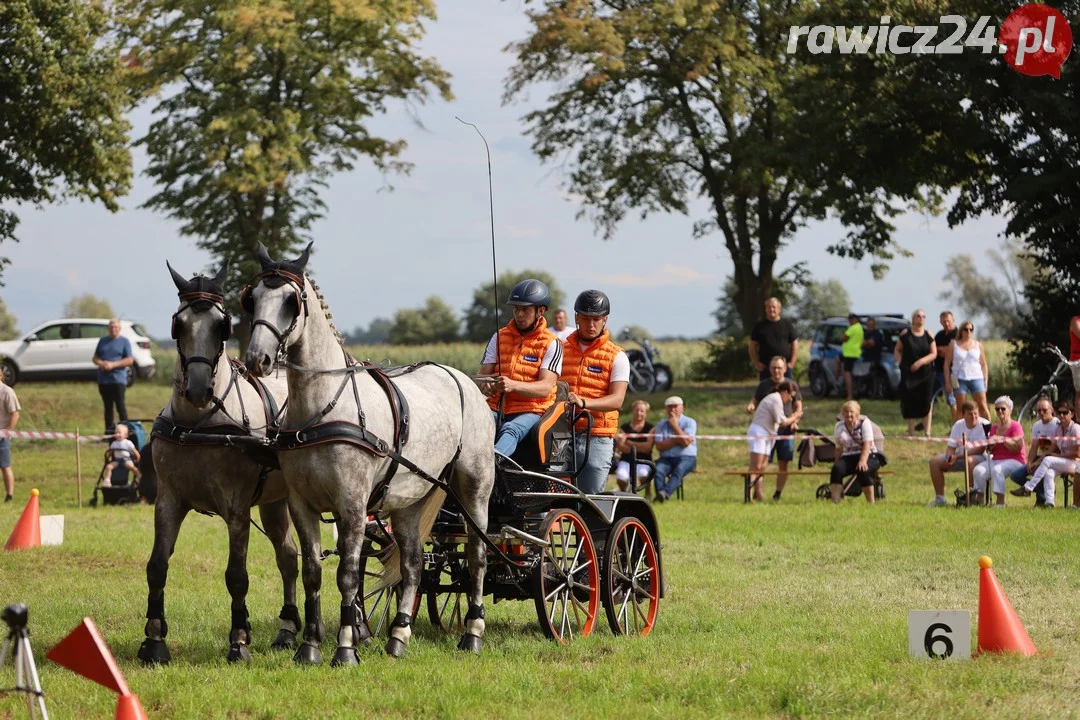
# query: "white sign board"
x,y
52,529
939,634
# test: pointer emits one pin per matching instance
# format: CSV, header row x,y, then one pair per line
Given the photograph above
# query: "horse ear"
x,y
182,284
301,262
264,256
219,279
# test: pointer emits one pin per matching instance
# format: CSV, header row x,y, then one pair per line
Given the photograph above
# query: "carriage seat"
x,y
548,445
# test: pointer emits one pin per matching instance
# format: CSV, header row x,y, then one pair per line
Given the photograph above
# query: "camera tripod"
x,y
18,643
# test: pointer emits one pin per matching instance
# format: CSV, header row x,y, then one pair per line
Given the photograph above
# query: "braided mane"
x,y
326,310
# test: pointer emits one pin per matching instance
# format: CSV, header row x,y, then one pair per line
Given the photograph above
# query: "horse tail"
x,y
391,574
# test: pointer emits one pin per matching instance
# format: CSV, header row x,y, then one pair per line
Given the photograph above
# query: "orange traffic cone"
x,y
1000,629
27,532
128,707
84,651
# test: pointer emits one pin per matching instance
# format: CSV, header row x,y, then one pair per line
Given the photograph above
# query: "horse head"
x,y
277,302
200,326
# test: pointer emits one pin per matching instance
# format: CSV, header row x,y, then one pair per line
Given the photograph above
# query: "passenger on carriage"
x,y
597,372
522,362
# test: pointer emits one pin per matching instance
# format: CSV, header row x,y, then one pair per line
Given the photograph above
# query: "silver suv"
x,y
64,350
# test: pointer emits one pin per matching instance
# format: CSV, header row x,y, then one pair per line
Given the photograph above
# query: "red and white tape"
x,y
49,435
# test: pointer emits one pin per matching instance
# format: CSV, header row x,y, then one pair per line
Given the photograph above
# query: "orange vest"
x,y
520,357
588,373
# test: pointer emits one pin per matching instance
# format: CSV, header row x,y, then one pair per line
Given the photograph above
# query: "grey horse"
x,y
213,409
338,444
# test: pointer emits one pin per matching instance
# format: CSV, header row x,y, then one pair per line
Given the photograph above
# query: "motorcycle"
x,y
647,375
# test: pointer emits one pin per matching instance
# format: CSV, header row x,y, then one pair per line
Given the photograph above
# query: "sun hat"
x,y
673,400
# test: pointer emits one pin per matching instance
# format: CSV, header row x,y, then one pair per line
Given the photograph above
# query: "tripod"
x,y
18,643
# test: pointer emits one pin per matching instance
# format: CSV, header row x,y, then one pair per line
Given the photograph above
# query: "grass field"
x,y
796,609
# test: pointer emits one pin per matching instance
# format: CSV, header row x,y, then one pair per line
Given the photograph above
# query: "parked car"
x,y
879,382
64,350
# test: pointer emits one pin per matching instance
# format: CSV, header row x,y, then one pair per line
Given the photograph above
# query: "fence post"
x,y
967,473
78,466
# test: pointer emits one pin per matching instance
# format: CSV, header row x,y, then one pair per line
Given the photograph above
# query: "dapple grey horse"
x,y
199,467
338,443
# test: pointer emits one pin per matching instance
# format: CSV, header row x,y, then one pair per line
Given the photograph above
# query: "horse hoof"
x,y
285,640
470,643
345,656
154,652
395,648
238,652
308,654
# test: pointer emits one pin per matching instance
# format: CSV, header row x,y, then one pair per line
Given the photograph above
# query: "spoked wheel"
x,y
823,492
566,584
447,606
631,579
378,605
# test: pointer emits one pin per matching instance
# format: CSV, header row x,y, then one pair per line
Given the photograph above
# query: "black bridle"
x,y
247,302
193,301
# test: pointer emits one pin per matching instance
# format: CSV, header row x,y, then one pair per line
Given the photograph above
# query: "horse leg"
x,y
307,522
350,545
275,517
236,580
472,639
406,524
169,514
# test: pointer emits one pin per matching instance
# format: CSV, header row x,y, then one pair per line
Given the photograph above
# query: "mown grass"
x,y
796,609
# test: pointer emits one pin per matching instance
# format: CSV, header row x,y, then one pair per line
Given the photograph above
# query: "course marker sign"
x,y
939,634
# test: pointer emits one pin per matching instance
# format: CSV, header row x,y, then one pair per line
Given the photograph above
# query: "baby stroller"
x,y
122,488
819,447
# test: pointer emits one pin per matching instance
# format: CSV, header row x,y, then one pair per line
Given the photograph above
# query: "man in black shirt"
x,y
873,343
943,340
771,337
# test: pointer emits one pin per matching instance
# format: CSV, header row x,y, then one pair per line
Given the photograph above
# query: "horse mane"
x,y
326,309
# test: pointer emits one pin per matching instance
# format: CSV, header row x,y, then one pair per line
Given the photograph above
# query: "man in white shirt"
x,y
558,325
1047,426
974,429
1062,457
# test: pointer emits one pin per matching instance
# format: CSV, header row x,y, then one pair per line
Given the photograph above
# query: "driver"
x,y
524,360
597,371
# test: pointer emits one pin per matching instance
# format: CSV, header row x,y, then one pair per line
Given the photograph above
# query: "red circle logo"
x,y
1036,39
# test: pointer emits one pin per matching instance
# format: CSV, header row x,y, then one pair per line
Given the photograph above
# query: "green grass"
x,y
797,609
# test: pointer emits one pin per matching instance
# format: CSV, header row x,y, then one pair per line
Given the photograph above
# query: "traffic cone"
x,y
27,532
1000,629
84,651
128,707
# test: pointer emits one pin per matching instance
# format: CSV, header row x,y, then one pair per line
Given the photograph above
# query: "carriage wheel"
x,y
447,608
377,605
631,579
567,580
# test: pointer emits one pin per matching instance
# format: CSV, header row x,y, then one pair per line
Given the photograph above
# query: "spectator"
x,y
943,341
768,419
113,356
1047,426
598,372
9,418
1074,354
971,428
771,337
678,448
1060,461
967,362
850,350
784,450
859,456
1008,455
559,328
521,363
874,344
122,451
637,425
915,353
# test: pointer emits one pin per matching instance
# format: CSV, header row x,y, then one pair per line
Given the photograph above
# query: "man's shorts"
x,y
849,363
939,384
5,452
958,463
783,449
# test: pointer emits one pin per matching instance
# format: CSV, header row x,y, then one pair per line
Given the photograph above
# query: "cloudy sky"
x,y
377,251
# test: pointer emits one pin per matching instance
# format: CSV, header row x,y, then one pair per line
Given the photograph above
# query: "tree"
x,y
88,305
480,317
62,105
262,103
997,301
658,103
8,323
786,287
817,301
435,322
377,333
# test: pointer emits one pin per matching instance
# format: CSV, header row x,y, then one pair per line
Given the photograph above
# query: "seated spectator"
x,y
768,418
1047,426
674,436
1060,461
624,445
784,450
122,451
1007,455
974,428
854,435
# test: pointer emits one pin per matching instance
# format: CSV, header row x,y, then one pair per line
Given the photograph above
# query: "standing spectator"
x,y
943,341
768,419
859,456
874,344
970,427
915,354
967,362
558,325
9,418
850,350
783,449
678,448
1060,461
1046,427
1074,354
771,337
1007,455
637,425
113,356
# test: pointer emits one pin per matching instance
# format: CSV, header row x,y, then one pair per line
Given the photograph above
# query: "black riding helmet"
x,y
593,303
530,292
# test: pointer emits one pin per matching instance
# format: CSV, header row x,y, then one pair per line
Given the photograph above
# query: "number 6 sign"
x,y
939,634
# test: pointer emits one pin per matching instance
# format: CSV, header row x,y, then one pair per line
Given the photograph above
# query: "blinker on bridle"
x,y
190,300
247,302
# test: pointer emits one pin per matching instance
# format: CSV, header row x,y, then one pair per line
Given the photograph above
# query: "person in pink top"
x,y
1004,456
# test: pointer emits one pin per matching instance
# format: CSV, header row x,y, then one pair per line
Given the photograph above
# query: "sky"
x,y
378,250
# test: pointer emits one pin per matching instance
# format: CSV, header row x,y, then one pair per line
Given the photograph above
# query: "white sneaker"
x,y
938,502
998,506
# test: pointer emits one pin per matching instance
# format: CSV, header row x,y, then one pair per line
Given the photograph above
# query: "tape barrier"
x,y
50,435
993,440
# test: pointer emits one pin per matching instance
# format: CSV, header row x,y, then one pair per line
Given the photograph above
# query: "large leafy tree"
x,y
659,104
88,305
62,105
434,322
9,325
485,315
997,299
262,101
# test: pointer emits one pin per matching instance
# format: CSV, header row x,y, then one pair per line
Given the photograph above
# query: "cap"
x,y
673,400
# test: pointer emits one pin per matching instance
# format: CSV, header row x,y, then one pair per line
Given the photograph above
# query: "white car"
x,y
64,350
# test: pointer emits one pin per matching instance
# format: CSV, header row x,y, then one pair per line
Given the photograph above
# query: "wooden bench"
x,y
790,473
